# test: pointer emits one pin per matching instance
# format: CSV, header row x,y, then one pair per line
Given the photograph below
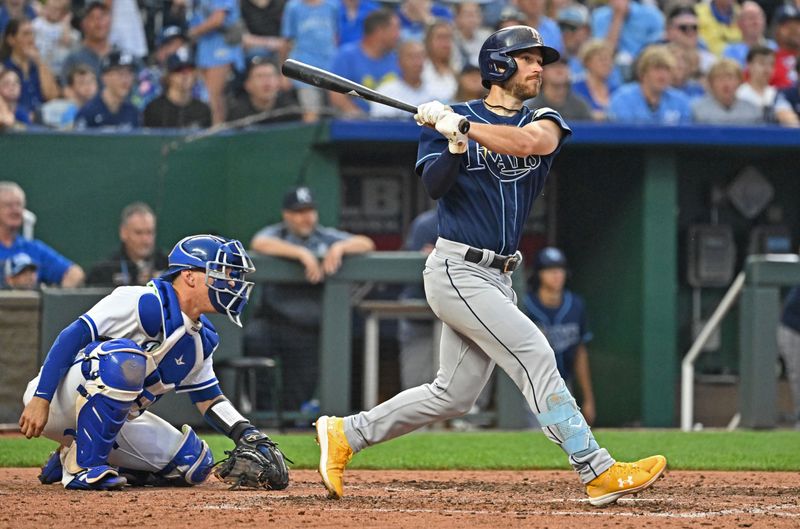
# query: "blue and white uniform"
x,y
178,355
481,217
564,326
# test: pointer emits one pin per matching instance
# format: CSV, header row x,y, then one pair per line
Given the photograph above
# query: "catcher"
x,y
136,344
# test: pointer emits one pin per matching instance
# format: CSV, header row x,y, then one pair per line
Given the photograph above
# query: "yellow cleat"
x,y
625,478
334,454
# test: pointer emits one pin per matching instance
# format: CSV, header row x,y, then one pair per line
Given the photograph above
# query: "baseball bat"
x,y
329,81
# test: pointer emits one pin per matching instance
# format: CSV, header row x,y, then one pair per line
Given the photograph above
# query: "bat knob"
x,y
463,126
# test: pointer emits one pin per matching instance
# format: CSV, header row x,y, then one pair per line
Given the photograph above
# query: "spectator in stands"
x,y
138,259
216,29
177,107
19,53
53,268
352,14
54,35
597,85
535,17
148,85
262,94
81,87
509,16
15,116
574,23
787,37
417,15
95,26
290,314
370,62
19,273
110,108
410,87
721,106
651,100
556,93
792,94
681,31
127,28
687,71
752,24
262,21
717,21
439,73
757,90
15,9
469,32
627,26
470,84
309,27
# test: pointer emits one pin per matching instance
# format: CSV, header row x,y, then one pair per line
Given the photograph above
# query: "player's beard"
x,y
523,89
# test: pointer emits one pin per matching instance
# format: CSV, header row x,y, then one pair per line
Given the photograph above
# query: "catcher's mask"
x,y
226,265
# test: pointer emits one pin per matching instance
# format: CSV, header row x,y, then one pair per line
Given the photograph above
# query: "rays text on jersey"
x,y
504,167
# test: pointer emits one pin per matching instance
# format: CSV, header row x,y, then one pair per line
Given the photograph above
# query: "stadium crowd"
x,y
124,64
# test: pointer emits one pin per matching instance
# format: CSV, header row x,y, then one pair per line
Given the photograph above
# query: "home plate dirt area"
x,y
414,499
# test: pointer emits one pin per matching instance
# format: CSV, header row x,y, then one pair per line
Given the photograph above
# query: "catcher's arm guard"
x,y
255,462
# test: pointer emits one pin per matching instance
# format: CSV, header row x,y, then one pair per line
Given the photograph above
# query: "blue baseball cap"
x,y
550,257
180,60
18,263
171,33
298,199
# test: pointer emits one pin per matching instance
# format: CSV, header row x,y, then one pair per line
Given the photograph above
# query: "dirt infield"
x,y
422,500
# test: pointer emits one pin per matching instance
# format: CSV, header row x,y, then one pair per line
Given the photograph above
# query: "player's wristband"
x,y
224,418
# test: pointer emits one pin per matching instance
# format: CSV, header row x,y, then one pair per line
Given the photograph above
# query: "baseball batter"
x,y
127,351
485,183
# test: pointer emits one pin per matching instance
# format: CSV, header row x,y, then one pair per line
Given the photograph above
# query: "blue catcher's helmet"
x,y
497,64
226,263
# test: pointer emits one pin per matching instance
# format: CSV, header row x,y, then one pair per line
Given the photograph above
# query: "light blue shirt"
x,y
352,63
628,105
644,25
551,34
313,29
738,51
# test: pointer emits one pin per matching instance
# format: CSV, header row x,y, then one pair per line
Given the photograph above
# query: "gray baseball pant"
x,y
482,326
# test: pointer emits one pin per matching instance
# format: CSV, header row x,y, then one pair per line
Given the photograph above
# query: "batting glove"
x,y
429,113
448,126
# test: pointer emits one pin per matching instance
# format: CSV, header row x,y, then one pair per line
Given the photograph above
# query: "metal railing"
x,y
687,365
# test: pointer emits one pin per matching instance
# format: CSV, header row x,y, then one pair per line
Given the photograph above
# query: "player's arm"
x,y
58,361
73,277
280,248
539,137
584,378
352,245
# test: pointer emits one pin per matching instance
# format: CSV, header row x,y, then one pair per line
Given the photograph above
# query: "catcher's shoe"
x,y
103,477
52,469
625,478
334,454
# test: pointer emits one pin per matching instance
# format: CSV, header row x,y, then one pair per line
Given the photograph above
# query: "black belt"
x,y
504,263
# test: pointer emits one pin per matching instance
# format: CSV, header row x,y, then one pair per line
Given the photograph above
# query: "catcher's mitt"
x,y
255,462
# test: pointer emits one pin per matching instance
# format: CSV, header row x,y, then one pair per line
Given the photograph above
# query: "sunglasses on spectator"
x,y
687,28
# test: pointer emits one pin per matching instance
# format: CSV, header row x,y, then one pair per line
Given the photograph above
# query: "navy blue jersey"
x,y
489,203
564,326
95,114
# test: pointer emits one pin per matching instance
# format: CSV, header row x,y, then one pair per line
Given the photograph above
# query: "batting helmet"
x,y
497,64
226,263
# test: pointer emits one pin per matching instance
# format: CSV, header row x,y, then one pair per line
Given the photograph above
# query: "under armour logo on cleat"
x,y
179,361
623,482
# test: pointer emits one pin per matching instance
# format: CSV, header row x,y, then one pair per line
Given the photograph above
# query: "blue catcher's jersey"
x,y
564,327
489,203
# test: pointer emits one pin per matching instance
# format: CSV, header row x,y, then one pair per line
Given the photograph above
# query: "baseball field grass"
x,y
485,450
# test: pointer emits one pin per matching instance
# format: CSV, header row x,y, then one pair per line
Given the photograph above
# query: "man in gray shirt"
x,y
720,106
288,319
